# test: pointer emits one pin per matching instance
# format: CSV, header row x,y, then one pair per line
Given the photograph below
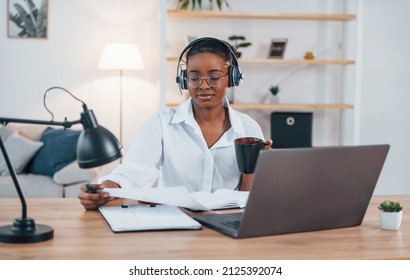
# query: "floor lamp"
x,y
121,56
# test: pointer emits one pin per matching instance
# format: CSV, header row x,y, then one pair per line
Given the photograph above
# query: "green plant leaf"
x,y
244,45
219,4
184,4
32,8
236,37
42,20
21,11
274,90
15,19
227,4
194,3
390,206
25,22
30,27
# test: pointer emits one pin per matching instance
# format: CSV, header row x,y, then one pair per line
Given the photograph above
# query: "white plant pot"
x,y
390,220
273,98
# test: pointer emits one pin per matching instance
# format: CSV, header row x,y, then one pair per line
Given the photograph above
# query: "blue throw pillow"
x,y
59,149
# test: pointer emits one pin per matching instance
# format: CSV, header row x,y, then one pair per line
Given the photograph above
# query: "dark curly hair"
x,y
212,45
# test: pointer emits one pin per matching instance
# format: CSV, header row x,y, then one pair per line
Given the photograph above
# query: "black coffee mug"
x,y
247,152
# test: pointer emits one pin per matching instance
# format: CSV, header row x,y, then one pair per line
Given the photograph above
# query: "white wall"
x,y
385,113
78,31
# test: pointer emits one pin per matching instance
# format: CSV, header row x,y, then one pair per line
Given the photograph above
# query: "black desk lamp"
x,y
96,146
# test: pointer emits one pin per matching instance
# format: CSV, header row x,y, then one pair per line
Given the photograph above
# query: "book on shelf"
x,y
180,197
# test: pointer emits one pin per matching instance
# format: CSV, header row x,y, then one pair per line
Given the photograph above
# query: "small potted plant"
x,y
239,42
197,4
391,215
273,96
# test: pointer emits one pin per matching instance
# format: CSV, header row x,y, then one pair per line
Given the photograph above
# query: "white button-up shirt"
x,y
170,147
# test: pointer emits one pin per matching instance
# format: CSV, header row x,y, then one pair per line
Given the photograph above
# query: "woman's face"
x,y
209,66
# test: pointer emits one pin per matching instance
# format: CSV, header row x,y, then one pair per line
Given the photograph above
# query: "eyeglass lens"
x,y
213,81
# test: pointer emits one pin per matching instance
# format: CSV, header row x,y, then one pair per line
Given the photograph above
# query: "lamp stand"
x,y
23,230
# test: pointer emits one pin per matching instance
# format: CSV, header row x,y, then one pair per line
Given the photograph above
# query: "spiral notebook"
x,y
147,218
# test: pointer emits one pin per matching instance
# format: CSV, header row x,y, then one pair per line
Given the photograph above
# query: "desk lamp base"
x,y
25,231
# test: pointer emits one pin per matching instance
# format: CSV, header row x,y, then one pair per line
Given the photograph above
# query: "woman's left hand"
x,y
268,144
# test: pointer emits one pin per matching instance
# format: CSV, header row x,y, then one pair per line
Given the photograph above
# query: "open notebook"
x,y
179,196
147,217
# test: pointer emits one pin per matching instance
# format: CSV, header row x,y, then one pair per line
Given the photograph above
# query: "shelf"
x,y
247,15
285,61
267,106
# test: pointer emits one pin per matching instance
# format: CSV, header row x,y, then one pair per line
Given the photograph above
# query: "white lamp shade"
x,y
120,56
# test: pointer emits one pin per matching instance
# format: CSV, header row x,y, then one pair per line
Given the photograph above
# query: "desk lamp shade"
x,y
96,145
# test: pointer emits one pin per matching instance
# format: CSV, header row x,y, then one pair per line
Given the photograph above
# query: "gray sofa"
x,y
27,145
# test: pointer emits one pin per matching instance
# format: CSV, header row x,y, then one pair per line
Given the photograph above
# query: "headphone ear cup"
x,y
235,76
181,80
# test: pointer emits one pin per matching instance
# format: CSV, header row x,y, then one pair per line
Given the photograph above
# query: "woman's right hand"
x,y
92,201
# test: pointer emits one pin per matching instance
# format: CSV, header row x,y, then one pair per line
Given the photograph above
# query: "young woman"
x,y
191,145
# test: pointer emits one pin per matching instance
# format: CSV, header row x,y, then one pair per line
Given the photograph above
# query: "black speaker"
x,y
291,129
234,76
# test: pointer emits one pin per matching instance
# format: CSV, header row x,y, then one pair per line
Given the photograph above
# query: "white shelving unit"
x,y
343,79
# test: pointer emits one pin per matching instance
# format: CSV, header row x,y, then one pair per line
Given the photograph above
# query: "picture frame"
x,y
27,19
277,48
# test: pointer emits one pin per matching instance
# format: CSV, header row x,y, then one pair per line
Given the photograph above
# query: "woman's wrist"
x,y
110,184
246,182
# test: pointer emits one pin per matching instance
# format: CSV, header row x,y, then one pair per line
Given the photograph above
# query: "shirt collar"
x,y
184,113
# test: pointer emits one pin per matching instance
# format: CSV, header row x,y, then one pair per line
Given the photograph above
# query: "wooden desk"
x,y
81,234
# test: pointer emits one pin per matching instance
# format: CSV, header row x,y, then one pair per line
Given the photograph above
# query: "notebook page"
x,y
175,196
240,196
222,198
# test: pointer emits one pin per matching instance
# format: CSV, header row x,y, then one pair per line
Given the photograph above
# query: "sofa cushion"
x,y
72,173
38,186
72,191
5,132
20,151
32,132
59,150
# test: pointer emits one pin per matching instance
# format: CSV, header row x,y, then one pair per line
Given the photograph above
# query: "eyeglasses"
x,y
213,81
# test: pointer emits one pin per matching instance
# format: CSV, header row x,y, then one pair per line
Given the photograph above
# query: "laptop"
x,y
305,189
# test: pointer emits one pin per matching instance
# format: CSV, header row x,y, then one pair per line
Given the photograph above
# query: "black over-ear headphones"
x,y
234,75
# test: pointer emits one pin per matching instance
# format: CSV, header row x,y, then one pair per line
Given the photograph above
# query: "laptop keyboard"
x,y
233,224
